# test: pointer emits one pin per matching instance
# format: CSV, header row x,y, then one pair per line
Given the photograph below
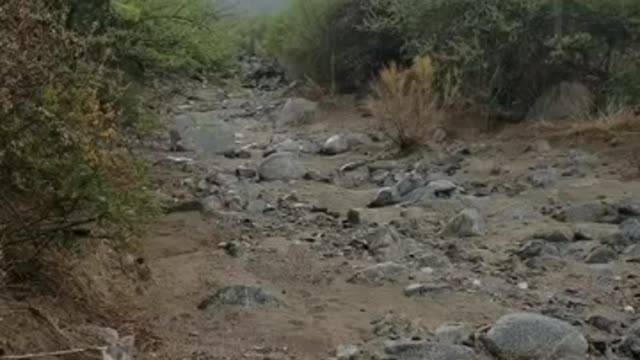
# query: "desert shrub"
x,y
172,35
326,40
506,52
405,103
64,161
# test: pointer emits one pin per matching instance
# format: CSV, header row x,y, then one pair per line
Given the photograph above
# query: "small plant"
x,y
405,103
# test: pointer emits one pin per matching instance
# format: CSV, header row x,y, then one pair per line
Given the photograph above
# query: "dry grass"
x,y
405,103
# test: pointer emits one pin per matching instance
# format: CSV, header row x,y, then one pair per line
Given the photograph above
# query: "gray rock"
x,y
582,160
543,178
246,172
530,336
468,222
603,322
281,166
419,290
314,175
379,274
546,263
442,187
558,234
239,295
601,255
259,206
335,145
589,212
453,333
541,146
534,248
353,217
409,183
432,260
632,253
605,233
564,101
211,204
206,133
296,111
630,207
223,180
631,230
347,352
630,347
295,146
386,244
353,179
417,350
385,197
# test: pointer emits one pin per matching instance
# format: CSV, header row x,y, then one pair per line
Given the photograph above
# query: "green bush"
x,y
173,35
64,161
326,40
506,52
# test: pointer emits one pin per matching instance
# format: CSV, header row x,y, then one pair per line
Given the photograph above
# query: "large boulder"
x,y
281,166
528,336
564,101
296,111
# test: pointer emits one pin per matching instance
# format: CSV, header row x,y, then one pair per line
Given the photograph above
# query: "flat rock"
x,y
296,111
467,223
442,187
281,166
589,212
528,336
555,233
601,255
606,233
417,350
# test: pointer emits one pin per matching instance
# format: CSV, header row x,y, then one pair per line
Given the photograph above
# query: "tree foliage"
x,y
506,52
64,160
326,41
174,34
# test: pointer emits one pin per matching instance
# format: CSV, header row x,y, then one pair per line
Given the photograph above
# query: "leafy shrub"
x,y
506,52
405,103
326,41
64,161
173,35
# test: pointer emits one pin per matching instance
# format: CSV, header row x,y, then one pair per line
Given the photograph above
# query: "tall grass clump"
x,y
405,103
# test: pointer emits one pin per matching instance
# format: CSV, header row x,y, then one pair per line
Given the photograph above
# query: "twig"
x,y
53,353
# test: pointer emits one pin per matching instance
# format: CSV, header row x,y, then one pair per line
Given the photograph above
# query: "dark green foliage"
x,y
506,52
328,42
